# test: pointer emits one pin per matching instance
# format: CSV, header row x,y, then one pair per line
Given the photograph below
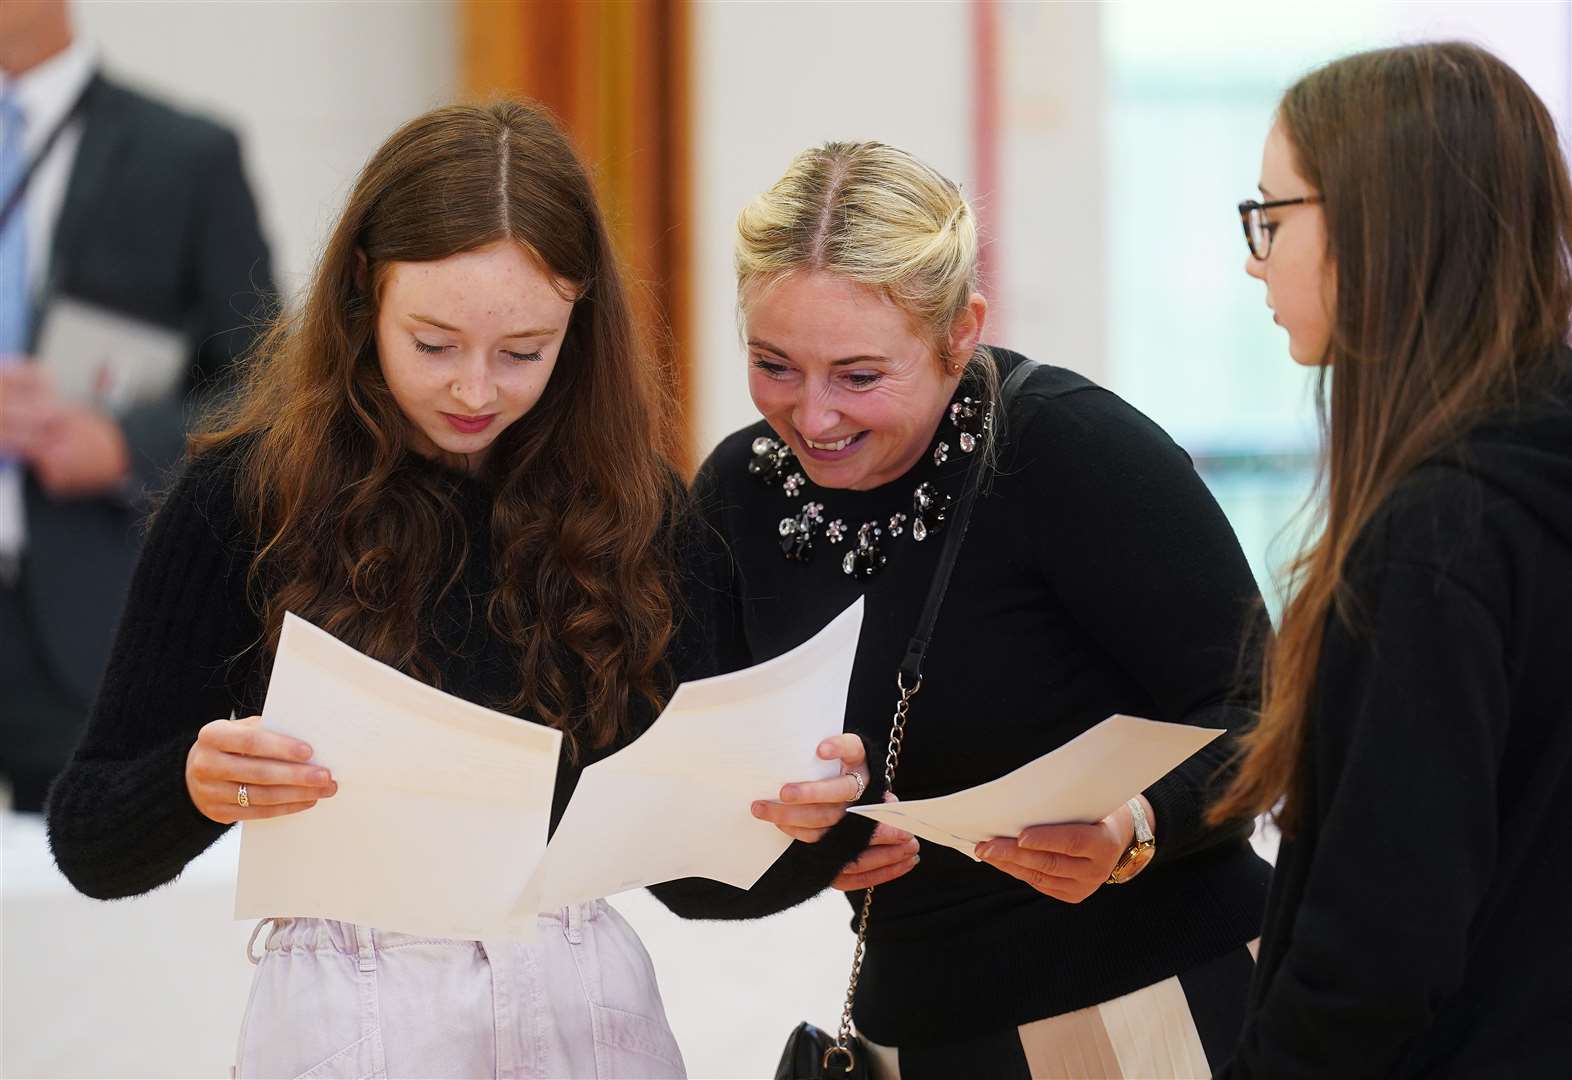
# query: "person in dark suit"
x,y
111,199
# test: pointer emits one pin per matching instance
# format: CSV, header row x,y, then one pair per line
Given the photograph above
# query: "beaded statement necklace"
x,y
775,464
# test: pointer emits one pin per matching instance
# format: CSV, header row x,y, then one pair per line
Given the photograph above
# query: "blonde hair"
x,y
877,216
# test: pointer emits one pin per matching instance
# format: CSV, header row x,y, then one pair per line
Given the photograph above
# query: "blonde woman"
x,y
1098,576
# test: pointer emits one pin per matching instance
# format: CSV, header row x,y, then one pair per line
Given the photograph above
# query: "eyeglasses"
x,y
1259,231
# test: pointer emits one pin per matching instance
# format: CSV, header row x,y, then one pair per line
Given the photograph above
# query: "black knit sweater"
x,y
120,819
1098,577
1416,920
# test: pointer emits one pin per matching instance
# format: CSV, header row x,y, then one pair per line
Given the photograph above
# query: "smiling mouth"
x,y
838,444
831,449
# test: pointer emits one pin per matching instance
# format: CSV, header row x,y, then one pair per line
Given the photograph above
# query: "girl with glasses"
x,y
1415,742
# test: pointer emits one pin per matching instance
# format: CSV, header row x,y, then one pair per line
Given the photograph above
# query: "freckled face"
x,y
468,343
839,373
1301,283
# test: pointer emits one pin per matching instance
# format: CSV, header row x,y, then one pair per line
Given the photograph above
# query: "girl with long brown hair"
x,y
1415,745
449,458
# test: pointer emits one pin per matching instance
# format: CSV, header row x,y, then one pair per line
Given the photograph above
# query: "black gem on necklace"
x,y
930,510
797,533
865,559
770,460
972,419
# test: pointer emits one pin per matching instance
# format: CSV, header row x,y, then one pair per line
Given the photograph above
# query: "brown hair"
x,y
1449,221
352,537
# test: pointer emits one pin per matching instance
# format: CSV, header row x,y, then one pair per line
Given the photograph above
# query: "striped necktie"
x,y
14,310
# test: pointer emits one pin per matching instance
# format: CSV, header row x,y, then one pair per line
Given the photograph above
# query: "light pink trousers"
x,y
332,999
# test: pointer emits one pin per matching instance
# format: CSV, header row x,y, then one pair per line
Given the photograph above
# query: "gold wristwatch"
x,y
1143,845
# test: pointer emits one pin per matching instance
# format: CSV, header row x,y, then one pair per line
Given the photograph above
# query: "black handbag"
x,y
812,1053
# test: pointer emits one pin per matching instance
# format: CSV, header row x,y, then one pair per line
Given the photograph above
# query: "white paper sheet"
x,y
441,812
104,358
1083,781
675,802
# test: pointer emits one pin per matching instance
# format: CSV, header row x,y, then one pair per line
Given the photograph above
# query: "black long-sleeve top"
x,y
1098,577
119,817
1416,920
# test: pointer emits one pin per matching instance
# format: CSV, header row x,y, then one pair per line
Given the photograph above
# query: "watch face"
x,y
1138,860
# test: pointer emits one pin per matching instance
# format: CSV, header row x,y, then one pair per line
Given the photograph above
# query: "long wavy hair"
x,y
354,534
1449,224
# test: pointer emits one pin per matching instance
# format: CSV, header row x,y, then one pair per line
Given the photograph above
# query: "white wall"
x,y
774,78
1534,36
1050,216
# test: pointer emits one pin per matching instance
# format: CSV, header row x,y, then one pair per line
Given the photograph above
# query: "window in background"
x,y
1191,89
1191,343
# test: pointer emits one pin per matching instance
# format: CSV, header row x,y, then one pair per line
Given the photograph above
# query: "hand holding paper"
x,y
1068,862
807,809
441,810
1082,781
676,802
439,822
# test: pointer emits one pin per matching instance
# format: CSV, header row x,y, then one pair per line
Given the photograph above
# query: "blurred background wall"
x,y
1105,146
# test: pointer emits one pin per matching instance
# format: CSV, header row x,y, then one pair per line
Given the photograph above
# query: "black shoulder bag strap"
x,y
911,666
841,1058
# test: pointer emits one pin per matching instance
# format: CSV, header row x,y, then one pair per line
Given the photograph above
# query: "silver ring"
x,y
242,797
862,785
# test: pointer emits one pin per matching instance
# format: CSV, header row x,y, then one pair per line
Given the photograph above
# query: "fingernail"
x,y
984,851
302,751
320,776
332,789
916,859
757,808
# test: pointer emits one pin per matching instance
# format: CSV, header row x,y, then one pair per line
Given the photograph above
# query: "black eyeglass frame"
x,y
1268,228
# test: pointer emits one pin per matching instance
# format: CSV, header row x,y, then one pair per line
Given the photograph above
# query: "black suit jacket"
x,y
158,224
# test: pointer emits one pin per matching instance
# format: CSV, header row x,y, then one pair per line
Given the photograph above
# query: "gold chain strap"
x,y
892,757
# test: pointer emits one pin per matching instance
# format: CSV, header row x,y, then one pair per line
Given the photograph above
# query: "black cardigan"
x,y
1098,577
1416,920
119,817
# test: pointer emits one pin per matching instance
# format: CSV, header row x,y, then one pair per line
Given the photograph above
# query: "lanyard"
x,y
13,198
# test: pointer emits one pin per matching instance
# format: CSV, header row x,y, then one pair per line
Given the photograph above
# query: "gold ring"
x,y
242,797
